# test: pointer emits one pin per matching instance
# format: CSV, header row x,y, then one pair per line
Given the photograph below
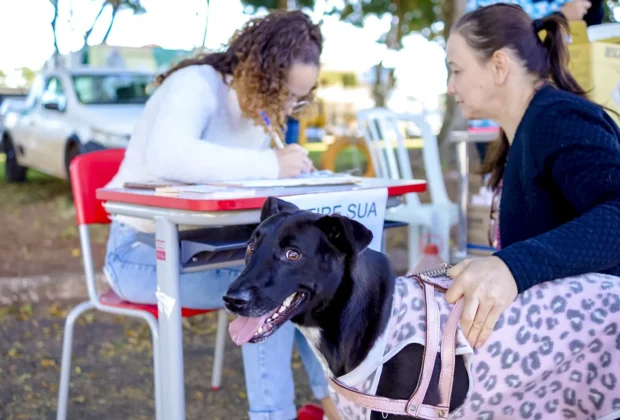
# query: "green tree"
x,y
28,75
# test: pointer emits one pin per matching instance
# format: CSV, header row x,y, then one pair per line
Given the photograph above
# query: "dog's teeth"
x,y
260,330
289,300
274,316
282,309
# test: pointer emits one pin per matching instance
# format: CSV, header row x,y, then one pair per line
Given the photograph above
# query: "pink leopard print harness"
x,y
554,354
414,406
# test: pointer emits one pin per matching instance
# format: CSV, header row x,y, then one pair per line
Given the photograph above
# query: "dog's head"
x,y
295,261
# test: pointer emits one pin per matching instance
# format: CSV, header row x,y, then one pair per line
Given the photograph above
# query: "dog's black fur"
x,y
347,291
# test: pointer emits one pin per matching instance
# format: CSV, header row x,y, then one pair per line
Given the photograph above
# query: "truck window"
x,y
104,89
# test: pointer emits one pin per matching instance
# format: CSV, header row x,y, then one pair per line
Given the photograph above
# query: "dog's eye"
x,y
250,248
292,255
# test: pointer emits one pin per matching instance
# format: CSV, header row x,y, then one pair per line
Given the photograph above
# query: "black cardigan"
x,y
560,205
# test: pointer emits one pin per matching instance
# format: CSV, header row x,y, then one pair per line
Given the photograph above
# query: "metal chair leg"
x,y
220,344
156,366
65,368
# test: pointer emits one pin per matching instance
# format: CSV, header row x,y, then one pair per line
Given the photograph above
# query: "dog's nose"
x,y
237,300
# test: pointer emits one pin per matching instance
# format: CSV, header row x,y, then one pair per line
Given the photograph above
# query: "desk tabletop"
x,y
248,198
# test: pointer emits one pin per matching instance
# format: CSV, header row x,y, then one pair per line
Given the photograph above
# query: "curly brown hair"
x,y
259,56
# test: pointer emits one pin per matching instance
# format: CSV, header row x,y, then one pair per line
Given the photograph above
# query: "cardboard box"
x,y
478,230
596,66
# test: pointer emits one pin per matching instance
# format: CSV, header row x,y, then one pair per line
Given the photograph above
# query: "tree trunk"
x,y
105,37
204,37
282,4
452,10
382,88
87,33
56,50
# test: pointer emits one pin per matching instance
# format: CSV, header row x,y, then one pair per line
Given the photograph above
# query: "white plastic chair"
x,y
383,131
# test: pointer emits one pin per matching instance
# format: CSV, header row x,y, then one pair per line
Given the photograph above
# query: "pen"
x,y
279,143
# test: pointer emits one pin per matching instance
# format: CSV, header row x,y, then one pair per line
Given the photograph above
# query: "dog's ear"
x,y
274,205
347,235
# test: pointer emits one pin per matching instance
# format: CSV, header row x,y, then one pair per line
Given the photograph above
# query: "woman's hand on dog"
x,y
488,289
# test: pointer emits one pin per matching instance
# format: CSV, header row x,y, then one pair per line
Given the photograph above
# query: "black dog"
x,y
318,272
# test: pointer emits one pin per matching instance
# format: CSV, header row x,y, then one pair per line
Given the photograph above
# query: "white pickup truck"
x,y
69,112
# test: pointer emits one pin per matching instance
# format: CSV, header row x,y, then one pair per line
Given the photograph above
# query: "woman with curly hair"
x,y
204,123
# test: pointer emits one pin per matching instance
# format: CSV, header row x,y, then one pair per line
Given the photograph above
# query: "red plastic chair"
x,y
88,173
310,412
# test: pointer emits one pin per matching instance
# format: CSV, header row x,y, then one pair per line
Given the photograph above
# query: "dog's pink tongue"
x,y
242,329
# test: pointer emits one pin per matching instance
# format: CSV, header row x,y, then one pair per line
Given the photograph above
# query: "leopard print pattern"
x,y
554,354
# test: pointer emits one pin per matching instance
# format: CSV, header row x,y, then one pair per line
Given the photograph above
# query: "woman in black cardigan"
x,y
558,161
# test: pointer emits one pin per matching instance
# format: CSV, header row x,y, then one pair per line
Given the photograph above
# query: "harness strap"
x,y
430,351
448,356
414,407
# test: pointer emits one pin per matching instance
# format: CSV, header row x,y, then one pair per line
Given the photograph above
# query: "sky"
x,y
27,39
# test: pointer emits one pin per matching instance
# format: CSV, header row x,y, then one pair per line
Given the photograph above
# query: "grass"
x,y
38,187
351,157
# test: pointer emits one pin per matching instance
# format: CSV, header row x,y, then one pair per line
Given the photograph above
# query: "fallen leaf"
x,y
79,399
48,362
242,395
25,311
75,252
23,378
198,395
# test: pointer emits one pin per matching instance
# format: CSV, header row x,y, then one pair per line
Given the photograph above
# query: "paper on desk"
x,y
312,179
213,191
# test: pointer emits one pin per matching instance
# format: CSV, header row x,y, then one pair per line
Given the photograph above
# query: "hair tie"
x,y
538,25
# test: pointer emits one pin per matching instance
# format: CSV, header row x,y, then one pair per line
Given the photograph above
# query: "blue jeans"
x,y
130,268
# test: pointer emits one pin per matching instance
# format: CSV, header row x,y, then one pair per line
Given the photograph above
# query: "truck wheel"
x,y
13,171
73,150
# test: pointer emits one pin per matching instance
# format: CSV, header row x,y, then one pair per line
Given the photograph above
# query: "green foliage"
x,y
414,16
252,6
134,5
610,6
29,75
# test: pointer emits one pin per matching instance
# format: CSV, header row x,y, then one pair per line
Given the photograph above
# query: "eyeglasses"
x,y
300,105
494,217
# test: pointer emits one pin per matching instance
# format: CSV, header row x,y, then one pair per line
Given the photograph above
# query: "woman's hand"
x,y
293,161
488,288
575,9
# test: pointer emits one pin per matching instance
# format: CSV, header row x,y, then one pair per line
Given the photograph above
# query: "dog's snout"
x,y
237,300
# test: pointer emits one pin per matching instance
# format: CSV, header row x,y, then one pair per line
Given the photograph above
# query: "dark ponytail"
x,y
557,29
555,67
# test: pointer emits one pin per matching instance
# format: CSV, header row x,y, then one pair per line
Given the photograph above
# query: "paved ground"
x,y
112,371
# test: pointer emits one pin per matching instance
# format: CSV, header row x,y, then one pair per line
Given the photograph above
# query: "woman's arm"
x,y
582,154
174,149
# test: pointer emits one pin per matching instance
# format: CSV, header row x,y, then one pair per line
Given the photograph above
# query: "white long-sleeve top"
x,y
192,131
